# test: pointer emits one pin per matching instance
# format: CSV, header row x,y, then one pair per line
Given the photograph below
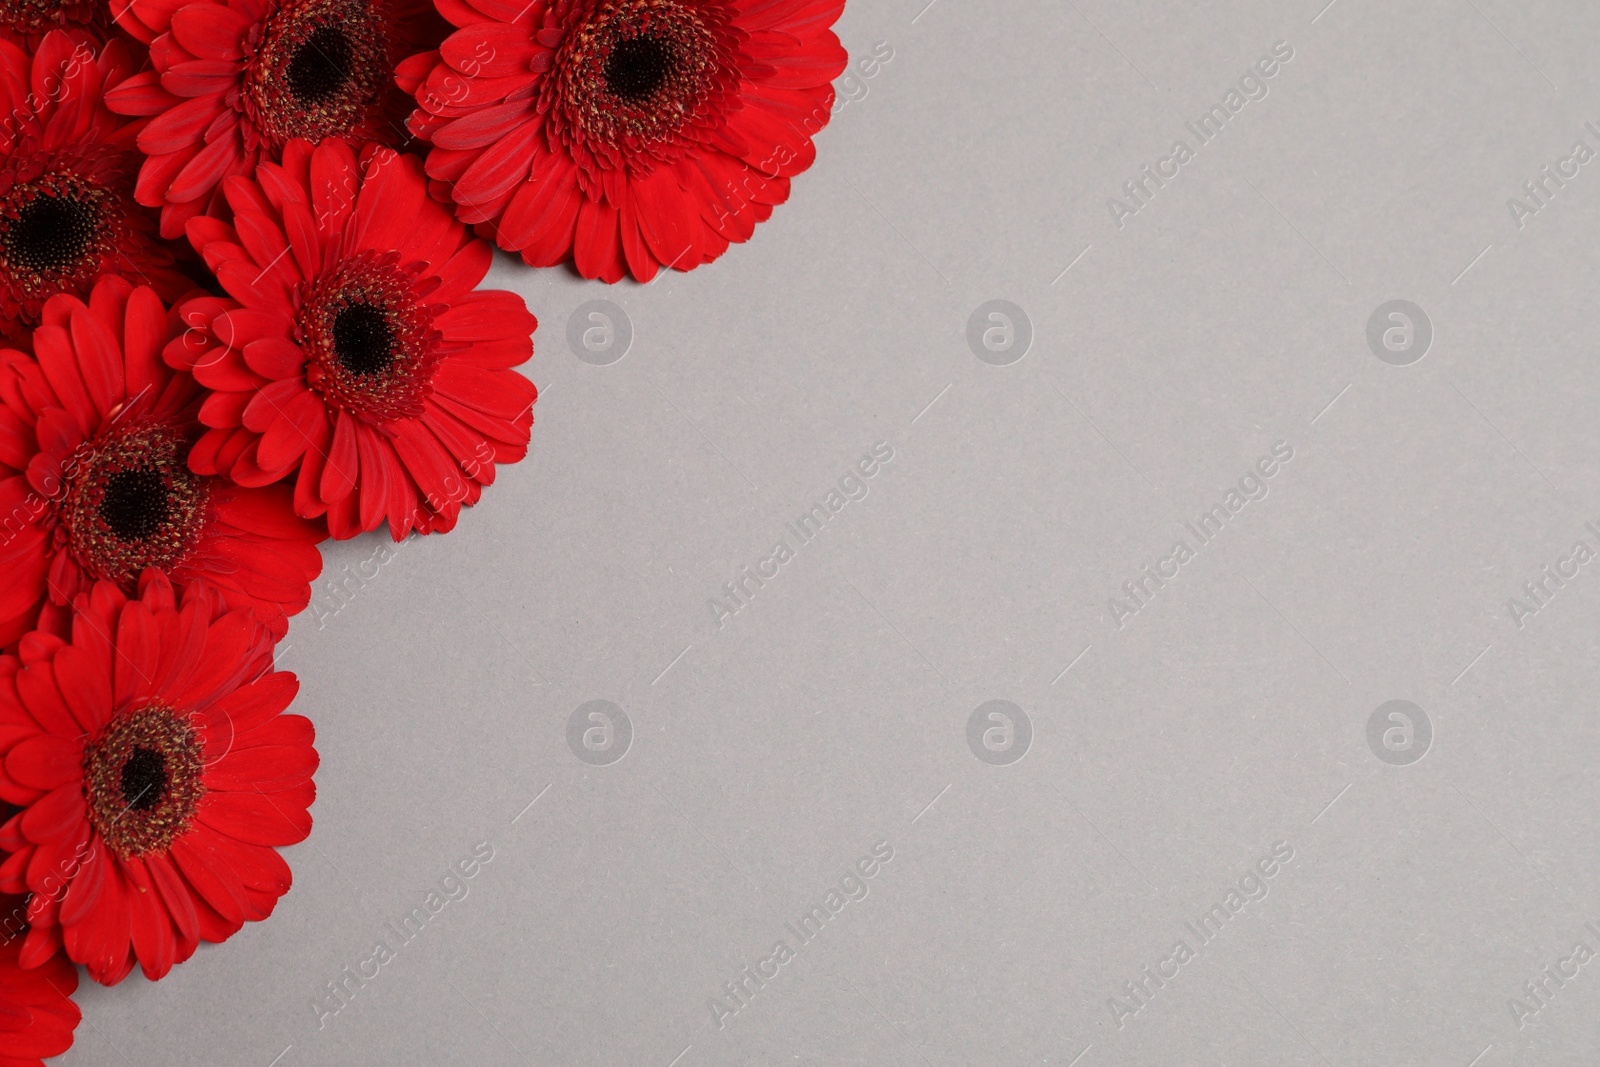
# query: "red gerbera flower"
x,y
37,1015
355,348
67,213
234,81
150,754
95,431
25,22
629,134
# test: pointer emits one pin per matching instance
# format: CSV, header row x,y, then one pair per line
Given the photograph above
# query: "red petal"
x,y
211,30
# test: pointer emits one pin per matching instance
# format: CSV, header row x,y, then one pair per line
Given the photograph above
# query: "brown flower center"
x,y
141,779
55,232
635,75
369,339
319,71
130,502
36,16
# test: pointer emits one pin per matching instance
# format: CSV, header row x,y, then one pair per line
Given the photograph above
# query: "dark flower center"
x,y
637,67
37,15
321,66
631,83
51,231
363,341
135,504
129,501
144,778
368,334
141,779
320,71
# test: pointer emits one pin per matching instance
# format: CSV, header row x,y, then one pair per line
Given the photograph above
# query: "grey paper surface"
x,y
1353,881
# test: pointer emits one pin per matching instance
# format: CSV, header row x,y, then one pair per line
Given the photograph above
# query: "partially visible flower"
x,y
355,353
67,163
235,80
627,135
95,483
37,1015
25,22
151,757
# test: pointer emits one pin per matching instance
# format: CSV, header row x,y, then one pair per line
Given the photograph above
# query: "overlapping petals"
x,y
232,81
239,315
353,352
95,433
37,1015
626,135
26,22
67,165
157,775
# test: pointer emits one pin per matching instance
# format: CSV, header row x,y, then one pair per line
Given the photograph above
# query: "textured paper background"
x,y
831,713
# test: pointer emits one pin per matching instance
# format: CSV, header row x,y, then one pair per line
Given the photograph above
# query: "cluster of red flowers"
x,y
241,245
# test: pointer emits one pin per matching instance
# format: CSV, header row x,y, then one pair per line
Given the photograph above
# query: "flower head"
x,y
37,1015
67,163
157,776
96,481
25,22
626,134
233,81
354,352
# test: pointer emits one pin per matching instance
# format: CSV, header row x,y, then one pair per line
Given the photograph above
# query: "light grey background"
x,y
831,713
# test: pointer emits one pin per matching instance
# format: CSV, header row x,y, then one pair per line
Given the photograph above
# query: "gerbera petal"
x,y
179,127
45,761
99,359
343,462
597,248
202,173
274,357
501,166
154,942
333,185
58,816
543,215
378,467
145,334
291,433
36,687
211,31
200,77
215,883
174,895
255,818
85,686
267,767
